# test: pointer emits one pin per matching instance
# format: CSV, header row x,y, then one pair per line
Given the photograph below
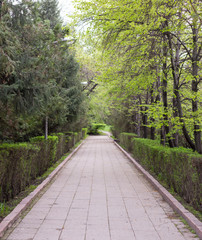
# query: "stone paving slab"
x,y
100,195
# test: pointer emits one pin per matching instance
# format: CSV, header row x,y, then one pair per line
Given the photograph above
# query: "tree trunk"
x,y
177,95
158,87
144,118
197,130
1,2
46,127
176,87
158,99
152,134
163,136
138,124
165,129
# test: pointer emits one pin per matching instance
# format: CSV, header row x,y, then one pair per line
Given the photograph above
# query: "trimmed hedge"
x,y
126,140
47,154
71,139
179,168
21,163
63,145
17,168
84,132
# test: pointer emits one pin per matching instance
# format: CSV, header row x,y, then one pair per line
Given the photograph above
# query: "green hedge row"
x,y
84,132
126,140
21,163
17,168
179,168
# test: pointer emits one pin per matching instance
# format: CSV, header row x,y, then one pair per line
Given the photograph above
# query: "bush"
x,y
73,138
179,168
84,132
70,139
47,153
21,163
62,146
126,140
76,137
94,128
17,169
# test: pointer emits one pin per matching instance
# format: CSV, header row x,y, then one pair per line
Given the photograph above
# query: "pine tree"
x,y
48,10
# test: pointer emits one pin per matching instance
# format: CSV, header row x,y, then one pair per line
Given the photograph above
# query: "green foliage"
x,y
84,132
48,148
16,171
37,139
179,168
98,109
49,10
38,76
21,163
7,207
148,67
94,128
107,128
126,140
3,209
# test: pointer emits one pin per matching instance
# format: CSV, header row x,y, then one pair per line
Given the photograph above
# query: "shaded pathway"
x,y
99,195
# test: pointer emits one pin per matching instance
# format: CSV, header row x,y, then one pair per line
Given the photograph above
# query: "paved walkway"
x,y
99,195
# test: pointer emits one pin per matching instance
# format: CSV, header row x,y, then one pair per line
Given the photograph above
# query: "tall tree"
x,y
38,76
49,10
125,30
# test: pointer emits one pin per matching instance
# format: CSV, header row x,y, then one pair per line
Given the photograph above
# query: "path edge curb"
x,y
193,222
10,219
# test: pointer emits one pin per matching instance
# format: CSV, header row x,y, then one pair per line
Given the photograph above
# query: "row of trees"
x,y
151,65
38,71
